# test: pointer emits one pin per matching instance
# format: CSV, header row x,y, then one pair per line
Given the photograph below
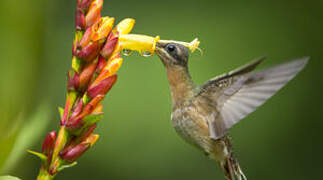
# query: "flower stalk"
x,y
95,62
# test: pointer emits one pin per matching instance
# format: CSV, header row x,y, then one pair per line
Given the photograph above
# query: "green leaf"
x,y
86,99
67,166
61,112
38,154
76,64
72,95
88,121
8,178
92,118
7,141
29,133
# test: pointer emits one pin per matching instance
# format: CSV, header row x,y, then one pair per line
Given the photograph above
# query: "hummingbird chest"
x,y
190,122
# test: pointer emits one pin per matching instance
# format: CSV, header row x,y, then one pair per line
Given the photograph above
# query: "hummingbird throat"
x,y
181,84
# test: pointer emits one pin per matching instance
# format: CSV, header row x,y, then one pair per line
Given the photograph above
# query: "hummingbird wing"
x,y
239,71
239,93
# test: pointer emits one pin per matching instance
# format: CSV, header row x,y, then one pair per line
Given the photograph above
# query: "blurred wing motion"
x,y
240,92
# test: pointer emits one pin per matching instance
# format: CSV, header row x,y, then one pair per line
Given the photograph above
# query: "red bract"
x,y
86,75
74,124
77,122
101,63
72,154
102,87
73,80
89,52
49,143
92,105
93,15
110,45
86,37
84,4
79,19
102,28
78,109
88,132
65,114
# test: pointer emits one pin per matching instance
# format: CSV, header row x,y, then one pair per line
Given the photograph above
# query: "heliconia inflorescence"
x,y
96,59
95,62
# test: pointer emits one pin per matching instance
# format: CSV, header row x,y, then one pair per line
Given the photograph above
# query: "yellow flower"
x,y
94,12
103,28
146,45
141,43
125,26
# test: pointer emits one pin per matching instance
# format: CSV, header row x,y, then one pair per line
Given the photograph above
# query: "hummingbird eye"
x,y
170,48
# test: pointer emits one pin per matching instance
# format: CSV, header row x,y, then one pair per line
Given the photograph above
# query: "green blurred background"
x,y
281,140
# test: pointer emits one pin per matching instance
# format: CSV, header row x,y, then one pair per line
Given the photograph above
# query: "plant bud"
x,y
87,36
66,109
76,122
77,39
92,105
114,64
79,19
93,15
86,75
101,63
49,142
89,52
72,154
109,69
102,87
103,28
78,108
125,26
88,132
84,4
92,139
98,109
110,45
73,80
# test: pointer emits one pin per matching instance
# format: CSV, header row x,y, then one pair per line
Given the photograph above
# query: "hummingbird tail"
x,y
231,169
229,163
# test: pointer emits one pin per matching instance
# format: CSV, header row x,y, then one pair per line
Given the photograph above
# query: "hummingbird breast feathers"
x,y
190,122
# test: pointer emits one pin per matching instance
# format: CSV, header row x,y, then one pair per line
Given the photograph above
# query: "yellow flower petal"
x,y
125,26
103,28
92,139
140,43
98,109
113,65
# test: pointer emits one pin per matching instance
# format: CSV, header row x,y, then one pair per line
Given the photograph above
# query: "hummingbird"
x,y
202,115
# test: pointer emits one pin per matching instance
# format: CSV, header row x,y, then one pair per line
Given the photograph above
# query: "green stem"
x,y
59,145
44,175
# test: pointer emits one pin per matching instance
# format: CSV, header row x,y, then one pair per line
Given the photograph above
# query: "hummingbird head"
x,y
172,54
175,56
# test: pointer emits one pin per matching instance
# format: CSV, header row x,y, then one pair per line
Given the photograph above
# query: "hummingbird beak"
x,y
160,51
